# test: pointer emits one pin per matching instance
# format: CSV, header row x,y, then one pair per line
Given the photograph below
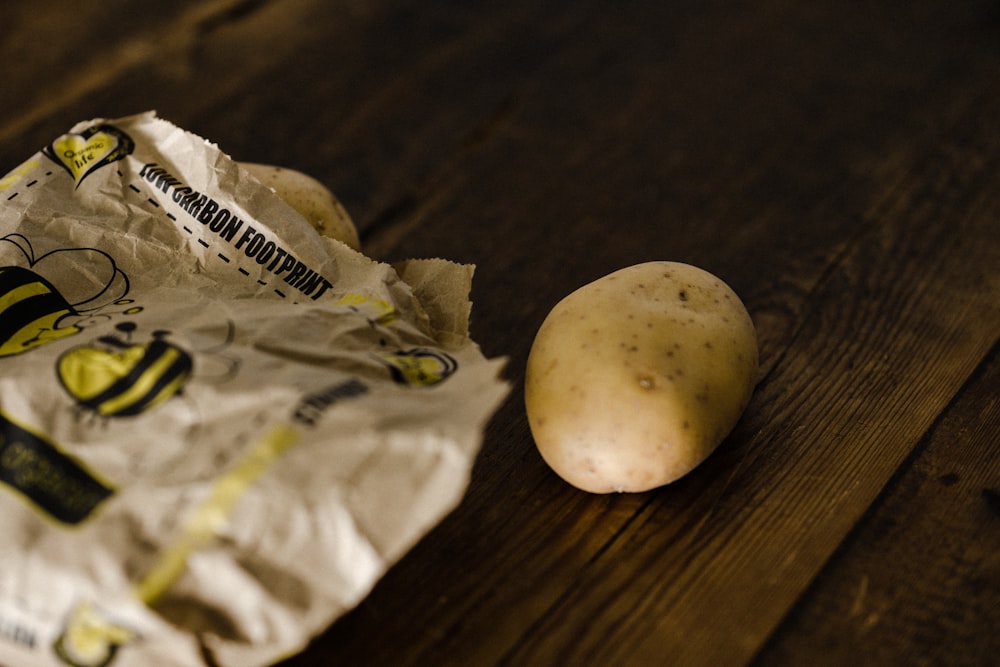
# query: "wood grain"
x,y
838,166
888,594
836,421
862,296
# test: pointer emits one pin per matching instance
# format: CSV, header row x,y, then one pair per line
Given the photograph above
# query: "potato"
x,y
310,198
635,378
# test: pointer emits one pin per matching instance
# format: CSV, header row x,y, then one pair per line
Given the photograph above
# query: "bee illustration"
x,y
30,311
419,367
116,377
123,379
55,295
90,639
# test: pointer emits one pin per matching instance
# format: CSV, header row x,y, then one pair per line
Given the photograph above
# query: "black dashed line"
x,y
12,196
280,293
31,183
48,173
204,243
133,188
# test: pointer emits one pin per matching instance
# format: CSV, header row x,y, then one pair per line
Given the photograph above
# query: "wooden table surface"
x,y
838,164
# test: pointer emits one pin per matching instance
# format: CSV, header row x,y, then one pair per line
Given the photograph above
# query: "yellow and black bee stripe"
x,y
125,382
30,310
419,367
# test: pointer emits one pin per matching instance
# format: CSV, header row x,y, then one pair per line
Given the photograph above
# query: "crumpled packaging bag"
x,y
218,429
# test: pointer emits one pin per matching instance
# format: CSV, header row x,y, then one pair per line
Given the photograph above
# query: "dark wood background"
x,y
838,164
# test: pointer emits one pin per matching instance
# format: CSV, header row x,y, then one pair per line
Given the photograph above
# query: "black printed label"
x,y
48,477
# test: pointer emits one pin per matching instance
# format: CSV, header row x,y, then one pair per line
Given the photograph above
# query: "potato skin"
x,y
310,198
634,379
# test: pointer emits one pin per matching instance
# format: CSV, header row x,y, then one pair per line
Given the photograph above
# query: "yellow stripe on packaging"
x,y
211,515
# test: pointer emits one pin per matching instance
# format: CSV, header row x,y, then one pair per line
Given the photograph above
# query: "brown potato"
x,y
635,378
310,198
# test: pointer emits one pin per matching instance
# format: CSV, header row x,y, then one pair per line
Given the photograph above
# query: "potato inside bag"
x,y
218,428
